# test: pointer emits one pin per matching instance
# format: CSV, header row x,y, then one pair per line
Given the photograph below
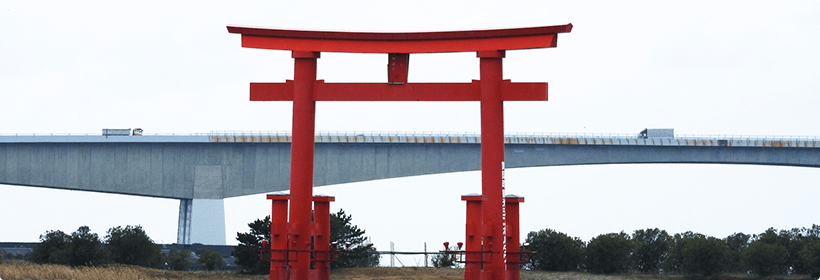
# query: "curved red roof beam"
x,y
404,42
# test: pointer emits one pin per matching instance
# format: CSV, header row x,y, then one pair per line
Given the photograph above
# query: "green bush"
x,y
736,243
179,259
246,259
694,254
609,253
651,247
765,259
342,230
444,260
86,248
81,248
211,260
810,254
131,245
555,251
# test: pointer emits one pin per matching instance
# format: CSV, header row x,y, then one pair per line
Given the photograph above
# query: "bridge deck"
x,y
202,169
433,138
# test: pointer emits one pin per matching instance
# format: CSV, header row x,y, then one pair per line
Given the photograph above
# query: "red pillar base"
x,y
285,251
478,253
321,238
514,258
475,232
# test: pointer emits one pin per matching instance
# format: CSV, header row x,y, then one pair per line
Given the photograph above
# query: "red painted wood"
x,y
474,234
492,155
279,236
524,91
272,91
437,46
513,237
301,162
497,53
387,92
305,54
397,36
405,42
407,92
397,68
321,235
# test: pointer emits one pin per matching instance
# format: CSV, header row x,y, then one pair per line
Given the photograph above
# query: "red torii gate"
x,y
290,240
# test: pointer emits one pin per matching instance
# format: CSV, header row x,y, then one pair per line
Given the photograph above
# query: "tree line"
x,y
122,245
773,252
131,245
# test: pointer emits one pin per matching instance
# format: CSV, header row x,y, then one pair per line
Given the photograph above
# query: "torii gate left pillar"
x,y
491,90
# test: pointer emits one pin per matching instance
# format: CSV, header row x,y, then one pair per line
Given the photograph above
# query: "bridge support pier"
x,y
201,221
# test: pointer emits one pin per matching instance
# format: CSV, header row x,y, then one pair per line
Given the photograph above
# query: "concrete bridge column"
x,y
202,219
184,227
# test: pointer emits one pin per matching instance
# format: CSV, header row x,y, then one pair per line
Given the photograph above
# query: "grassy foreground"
x,y
25,271
44,272
430,273
47,271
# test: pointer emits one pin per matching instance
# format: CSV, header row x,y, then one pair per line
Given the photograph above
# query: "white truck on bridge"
x,y
657,133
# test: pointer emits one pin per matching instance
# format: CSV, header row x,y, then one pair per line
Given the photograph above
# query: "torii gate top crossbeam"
x,y
406,42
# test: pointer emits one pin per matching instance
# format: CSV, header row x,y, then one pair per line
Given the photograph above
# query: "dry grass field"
x,y
44,272
119,272
429,273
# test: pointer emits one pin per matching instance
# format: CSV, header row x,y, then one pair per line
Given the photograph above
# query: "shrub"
x,y
246,259
765,259
342,230
179,259
211,260
810,254
609,253
736,243
555,251
82,247
651,247
695,254
444,260
51,248
85,248
131,245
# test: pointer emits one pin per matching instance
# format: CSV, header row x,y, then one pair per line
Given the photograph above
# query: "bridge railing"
x,y
747,137
516,134
349,133
97,134
547,135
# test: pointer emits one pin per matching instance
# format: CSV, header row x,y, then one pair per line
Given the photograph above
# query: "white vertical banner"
x,y
503,183
503,213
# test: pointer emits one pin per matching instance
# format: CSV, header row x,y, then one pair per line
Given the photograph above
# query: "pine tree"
x,y
341,231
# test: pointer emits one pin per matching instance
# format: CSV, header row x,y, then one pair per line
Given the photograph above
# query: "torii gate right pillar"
x,y
492,158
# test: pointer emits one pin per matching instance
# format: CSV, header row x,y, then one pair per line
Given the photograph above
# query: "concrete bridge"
x,y
201,170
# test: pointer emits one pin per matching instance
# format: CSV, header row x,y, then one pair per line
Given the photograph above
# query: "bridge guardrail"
x,y
513,134
438,137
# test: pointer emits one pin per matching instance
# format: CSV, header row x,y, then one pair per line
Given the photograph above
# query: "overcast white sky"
x,y
701,67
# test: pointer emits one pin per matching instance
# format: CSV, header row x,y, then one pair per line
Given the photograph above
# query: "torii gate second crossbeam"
x,y
491,90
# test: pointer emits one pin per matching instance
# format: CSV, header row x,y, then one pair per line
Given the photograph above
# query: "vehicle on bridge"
x,y
657,133
122,132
